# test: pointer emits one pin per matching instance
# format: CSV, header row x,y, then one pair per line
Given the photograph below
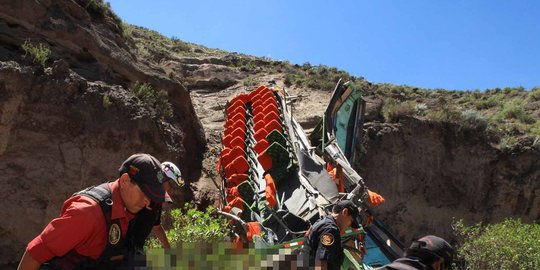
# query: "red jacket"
x,y
81,227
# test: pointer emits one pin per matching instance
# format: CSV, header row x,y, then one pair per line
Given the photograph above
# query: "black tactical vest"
x,y
111,258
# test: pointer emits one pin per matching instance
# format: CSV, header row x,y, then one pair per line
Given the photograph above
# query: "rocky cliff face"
x,y
71,125
431,173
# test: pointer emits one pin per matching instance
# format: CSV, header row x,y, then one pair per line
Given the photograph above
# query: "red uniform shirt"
x,y
80,226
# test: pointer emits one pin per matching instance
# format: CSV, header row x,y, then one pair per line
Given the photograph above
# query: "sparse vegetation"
x,y
156,101
37,53
508,245
534,95
394,110
535,129
514,110
487,102
473,119
507,143
152,45
249,82
446,113
506,111
509,112
315,77
100,9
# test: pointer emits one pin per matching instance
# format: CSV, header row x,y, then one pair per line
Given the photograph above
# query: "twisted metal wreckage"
x,y
276,181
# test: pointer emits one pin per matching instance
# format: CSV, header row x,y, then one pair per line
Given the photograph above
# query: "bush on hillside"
x,y
447,114
37,53
316,77
98,8
393,110
535,129
509,245
515,110
534,95
156,101
473,119
486,102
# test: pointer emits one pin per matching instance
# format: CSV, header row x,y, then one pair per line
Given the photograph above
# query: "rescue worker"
x,y
149,220
427,253
322,243
90,231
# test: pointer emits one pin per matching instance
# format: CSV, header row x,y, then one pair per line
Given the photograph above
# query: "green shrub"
x,y
156,101
535,129
513,91
190,225
288,81
295,79
515,110
37,53
393,110
473,119
447,113
510,244
249,82
488,102
316,77
98,8
163,106
476,94
534,95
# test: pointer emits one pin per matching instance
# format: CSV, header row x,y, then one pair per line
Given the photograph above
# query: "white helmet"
x,y
172,172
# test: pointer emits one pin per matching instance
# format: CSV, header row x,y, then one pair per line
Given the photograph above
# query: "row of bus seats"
x,y
254,147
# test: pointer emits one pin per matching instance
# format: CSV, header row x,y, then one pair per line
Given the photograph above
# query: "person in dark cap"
x,y
427,253
322,242
149,220
90,231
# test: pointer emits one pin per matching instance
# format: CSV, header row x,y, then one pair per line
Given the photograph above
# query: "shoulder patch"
x,y
327,239
114,234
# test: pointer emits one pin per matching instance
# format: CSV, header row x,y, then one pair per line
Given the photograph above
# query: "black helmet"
x,y
432,246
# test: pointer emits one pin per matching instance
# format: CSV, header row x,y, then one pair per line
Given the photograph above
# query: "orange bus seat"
x,y
261,146
270,190
236,179
238,165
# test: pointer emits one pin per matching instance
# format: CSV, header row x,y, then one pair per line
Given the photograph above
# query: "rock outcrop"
x,y
70,125
431,173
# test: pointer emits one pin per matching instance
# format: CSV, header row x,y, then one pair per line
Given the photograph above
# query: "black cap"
x,y
434,246
145,170
353,211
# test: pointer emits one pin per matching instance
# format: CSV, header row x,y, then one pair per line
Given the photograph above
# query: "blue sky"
x,y
449,44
